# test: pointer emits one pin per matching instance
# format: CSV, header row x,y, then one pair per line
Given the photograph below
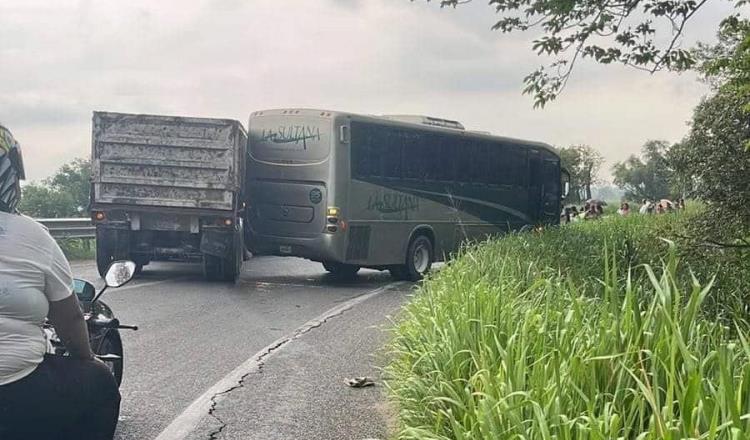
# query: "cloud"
x,y
227,58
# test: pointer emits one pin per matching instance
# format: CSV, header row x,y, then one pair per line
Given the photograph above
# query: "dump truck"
x,y
168,188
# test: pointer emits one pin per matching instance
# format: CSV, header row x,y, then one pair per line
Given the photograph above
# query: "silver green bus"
x,y
391,193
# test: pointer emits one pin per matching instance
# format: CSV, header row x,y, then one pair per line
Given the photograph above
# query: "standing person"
x,y
43,396
644,207
592,212
624,209
565,215
574,214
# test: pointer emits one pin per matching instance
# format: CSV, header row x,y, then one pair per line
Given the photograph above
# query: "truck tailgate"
x,y
166,161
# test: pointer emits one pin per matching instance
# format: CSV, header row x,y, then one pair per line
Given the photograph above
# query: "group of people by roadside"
x,y
594,209
663,206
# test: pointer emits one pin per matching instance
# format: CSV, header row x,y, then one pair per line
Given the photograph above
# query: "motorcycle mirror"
x,y
119,273
84,290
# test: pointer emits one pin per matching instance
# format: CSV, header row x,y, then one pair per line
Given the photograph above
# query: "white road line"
x,y
147,284
184,424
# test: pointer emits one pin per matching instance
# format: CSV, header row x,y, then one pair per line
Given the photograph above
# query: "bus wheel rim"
x,y
421,258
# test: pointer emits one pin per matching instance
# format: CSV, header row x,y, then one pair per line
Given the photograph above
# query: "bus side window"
x,y
516,160
391,160
446,159
432,148
362,149
498,162
462,157
535,164
482,163
416,155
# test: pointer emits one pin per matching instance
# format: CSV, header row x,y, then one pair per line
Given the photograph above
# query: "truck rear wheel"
x,y
340,269
419,257
220,269
224,269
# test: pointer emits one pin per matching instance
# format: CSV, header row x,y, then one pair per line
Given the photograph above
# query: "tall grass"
x,y
507,343
637,240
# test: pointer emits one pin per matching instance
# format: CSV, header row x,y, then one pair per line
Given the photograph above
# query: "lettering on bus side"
x,y
291,134
386,202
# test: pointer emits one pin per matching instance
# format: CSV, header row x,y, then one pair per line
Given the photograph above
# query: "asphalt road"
x,y
192,333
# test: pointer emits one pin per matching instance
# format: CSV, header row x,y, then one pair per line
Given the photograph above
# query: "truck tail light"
x,y
99,216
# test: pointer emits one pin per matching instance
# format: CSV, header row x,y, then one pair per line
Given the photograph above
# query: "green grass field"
x,y
597,330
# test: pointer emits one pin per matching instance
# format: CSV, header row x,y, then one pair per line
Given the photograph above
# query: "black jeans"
x,y
64,398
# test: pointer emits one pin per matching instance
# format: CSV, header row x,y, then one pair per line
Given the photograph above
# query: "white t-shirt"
x,y
33,272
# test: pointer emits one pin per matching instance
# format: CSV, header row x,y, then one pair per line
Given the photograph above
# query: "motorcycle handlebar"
x,y
110,323
104,323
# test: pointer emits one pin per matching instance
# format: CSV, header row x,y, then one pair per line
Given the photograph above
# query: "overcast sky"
x,y
62,59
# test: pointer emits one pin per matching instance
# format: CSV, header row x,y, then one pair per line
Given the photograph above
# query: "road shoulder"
x,y
299,389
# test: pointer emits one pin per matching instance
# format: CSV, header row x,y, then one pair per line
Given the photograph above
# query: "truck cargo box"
x,y
167,162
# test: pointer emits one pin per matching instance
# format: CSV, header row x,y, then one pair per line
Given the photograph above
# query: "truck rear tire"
x,y
223,269
220,269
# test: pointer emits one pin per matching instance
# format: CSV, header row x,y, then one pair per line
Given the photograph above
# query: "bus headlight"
x,y
333,211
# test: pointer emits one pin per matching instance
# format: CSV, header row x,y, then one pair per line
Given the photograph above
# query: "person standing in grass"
x,y
592,212
624,209
645,207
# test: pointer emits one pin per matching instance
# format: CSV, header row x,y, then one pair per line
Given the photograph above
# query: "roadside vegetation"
x,y
77,248
618,328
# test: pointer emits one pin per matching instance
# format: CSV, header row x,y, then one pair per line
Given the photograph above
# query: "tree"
x,y
727,63
65,194
627,32
583,164
647,176
714,157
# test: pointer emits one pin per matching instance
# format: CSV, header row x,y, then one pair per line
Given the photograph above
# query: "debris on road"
x,y
360,382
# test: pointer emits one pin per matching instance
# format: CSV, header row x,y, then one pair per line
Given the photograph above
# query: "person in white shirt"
x,y
646,207
43,396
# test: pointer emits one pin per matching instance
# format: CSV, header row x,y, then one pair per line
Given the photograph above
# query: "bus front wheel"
x,y
419,257
341,269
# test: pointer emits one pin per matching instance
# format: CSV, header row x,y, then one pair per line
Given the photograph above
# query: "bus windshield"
x,y
289,140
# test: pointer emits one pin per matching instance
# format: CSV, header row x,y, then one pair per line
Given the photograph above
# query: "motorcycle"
x,y
104,328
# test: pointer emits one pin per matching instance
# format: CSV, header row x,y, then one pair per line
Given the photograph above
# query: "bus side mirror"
x,y
566,182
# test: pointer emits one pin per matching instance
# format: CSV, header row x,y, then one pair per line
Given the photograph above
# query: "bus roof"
x,y
386,120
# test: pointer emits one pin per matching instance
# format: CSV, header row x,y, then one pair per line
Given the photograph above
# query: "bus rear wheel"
x,y
419,257
341,269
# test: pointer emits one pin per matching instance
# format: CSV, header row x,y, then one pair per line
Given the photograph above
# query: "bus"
x,y
392,193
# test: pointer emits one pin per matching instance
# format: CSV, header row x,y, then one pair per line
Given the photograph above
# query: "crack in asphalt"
x,y
214,435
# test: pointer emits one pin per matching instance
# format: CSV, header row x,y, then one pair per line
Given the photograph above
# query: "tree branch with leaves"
x,y
607,31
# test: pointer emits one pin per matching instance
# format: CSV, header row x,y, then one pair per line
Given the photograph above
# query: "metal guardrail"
x,y
69,227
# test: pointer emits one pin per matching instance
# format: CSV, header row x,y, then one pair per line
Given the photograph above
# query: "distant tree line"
x,y
712,162
64,194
